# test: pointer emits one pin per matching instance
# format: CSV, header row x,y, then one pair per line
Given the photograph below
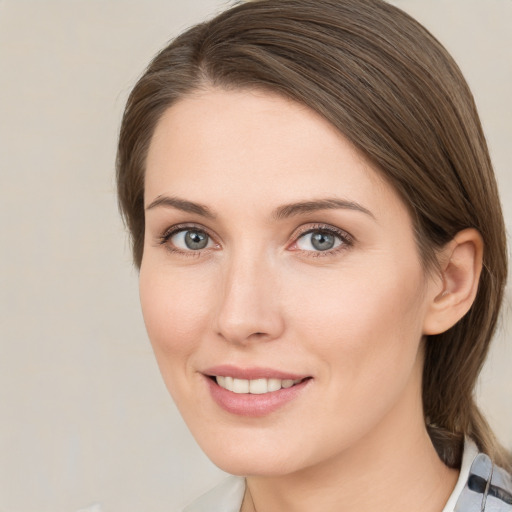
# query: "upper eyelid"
x,y
303,230
176,228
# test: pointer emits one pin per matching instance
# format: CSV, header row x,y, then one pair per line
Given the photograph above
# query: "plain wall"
x,y
85,420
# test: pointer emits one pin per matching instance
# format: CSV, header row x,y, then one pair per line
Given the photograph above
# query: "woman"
x,y
322,257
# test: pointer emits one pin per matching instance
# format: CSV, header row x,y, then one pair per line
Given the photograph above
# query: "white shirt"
x,y
228,495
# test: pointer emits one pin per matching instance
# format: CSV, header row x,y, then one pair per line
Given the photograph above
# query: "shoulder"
x,y
488,488
225,497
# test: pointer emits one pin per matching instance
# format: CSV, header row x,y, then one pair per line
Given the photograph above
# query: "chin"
x,y
254,465
258,455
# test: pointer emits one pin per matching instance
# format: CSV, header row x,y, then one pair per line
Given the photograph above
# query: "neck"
x,y
395,468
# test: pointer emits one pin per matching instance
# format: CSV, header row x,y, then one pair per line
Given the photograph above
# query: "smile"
x,y
254,386
254,392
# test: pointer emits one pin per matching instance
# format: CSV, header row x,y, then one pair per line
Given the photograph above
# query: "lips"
x,y
253,391
227,370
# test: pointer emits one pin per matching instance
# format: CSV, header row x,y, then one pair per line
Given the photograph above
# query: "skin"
x,y
353,318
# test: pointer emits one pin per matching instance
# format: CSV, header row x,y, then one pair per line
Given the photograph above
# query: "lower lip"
x,y
246,404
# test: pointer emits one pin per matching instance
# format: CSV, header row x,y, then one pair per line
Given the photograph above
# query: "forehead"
x,y
259,148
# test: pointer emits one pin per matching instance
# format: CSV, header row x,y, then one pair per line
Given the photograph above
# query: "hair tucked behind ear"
x,y
389,86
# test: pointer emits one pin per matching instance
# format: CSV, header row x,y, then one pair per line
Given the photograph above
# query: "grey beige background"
x,y
85,421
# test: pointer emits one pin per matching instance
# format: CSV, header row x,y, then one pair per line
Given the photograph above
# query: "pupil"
x,y
196,240
322,241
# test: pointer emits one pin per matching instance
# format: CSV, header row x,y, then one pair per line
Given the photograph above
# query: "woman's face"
x,y
281,285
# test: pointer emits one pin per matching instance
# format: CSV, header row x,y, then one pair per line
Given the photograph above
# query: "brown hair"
x,y
391,88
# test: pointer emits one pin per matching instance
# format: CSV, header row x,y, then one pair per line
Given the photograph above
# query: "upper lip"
x,y
252,373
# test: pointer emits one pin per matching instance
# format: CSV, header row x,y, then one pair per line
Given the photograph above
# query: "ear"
x,y
452,295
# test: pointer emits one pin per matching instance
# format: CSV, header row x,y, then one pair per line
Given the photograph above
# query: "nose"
x,y
249,305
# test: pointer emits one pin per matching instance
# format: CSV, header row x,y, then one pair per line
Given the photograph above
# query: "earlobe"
x,y
453,295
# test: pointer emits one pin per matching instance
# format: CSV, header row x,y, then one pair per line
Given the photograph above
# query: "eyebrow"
x,y
304,207
282,212
182,204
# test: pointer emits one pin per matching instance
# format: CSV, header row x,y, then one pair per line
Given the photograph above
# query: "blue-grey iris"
x,y
322,241
196,240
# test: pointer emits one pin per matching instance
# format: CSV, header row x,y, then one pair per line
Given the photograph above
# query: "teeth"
x,y
240,386
228,383
258,386
255,386
273,384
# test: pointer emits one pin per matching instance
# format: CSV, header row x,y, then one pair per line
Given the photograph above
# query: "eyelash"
x,y
346,239
174,230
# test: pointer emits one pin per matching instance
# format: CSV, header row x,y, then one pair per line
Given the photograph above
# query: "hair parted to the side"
x,y
390,87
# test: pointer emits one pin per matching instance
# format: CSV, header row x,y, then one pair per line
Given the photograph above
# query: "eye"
x,y
322,240
189,239
318,241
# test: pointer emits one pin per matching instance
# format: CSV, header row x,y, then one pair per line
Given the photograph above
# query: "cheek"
x,y
175,305
365,333
368,319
